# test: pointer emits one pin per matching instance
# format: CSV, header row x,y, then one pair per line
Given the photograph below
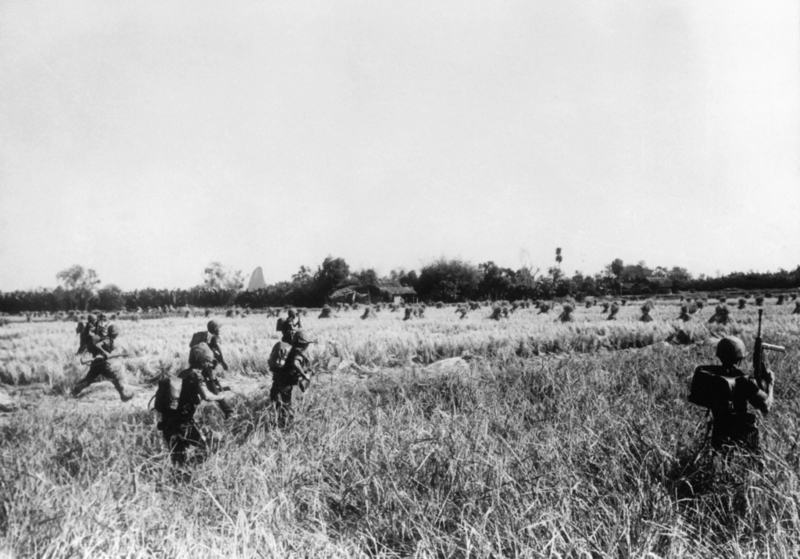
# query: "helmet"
x,y
300,337
292,313
113,331
200,356
213,326
101,316
90,318
730,349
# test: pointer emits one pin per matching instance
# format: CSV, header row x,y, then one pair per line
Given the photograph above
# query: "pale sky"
x,y
147,139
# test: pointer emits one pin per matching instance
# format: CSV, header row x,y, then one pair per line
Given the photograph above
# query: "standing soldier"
x,y
85,331
177,425
208,343
101,328
289,326
291,374
101,349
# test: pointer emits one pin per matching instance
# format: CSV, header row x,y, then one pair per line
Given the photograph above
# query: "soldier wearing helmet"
x,y
289,325
733,425
206,343
85,332
101,349
178,427
291,374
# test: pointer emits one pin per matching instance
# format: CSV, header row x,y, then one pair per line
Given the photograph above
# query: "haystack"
x,y
409,313
369,312
614,310
566,313
326,312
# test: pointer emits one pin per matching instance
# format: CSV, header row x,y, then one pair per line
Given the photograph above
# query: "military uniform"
x,y
201,345
290,325
735,426
101,367
291,374
178,427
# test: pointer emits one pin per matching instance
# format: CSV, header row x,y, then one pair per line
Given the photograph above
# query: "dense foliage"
x,y
442,280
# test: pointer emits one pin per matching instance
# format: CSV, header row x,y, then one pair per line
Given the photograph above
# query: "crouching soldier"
x,y
292,372
101,349
205,343
727,391
176,400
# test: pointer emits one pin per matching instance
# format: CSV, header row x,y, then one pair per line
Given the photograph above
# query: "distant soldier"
x,y
292,373
101,349
101,328
177,425
86,331
289,325
202,344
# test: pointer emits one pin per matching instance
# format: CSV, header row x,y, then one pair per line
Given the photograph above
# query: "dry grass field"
x,y
432,437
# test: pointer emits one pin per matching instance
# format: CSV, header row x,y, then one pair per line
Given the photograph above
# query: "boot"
x,y
79,387
123,395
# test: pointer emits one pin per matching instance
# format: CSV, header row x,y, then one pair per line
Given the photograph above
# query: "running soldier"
x,y
101,349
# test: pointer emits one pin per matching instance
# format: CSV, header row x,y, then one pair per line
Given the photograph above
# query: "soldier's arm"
x,y
758,398
207,395
217,350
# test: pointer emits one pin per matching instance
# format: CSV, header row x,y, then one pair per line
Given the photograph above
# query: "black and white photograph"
x,y
399,279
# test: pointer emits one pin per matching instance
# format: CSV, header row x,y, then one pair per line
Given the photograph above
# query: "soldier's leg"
x,y
82,384
281,395
176,443
113,374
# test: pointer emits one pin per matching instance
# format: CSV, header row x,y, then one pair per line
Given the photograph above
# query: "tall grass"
x,y
584,450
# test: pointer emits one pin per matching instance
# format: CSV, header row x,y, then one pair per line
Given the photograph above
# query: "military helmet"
x,y
101,316
113,331
301,338
292,313
730,349
213,326
90,318
200,356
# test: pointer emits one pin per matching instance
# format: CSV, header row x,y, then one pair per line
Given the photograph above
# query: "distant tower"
x,y
257,280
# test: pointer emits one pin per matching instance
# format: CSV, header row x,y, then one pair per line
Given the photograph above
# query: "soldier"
x,y
101,328
291,374
289,326
85,331
177,425
212,339
733,426
202,344
101,349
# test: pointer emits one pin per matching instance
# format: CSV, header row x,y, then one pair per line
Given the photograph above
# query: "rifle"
x,y
89,362
758,352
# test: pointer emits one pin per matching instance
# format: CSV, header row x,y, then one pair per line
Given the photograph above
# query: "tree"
x,y
365,277
80,282
448,281
496,282
217,276
616,267
110,298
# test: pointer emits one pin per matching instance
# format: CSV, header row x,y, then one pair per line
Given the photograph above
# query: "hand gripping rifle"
x,y
758,352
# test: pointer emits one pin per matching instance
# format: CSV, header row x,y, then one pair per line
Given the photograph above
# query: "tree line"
x,y
445,280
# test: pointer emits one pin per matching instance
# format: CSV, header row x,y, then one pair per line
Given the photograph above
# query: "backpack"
x,y
168,394
711,390
277,357
199,354
199,338
279,327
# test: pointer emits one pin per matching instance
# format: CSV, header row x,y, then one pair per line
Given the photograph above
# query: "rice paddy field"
x,y
432,437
